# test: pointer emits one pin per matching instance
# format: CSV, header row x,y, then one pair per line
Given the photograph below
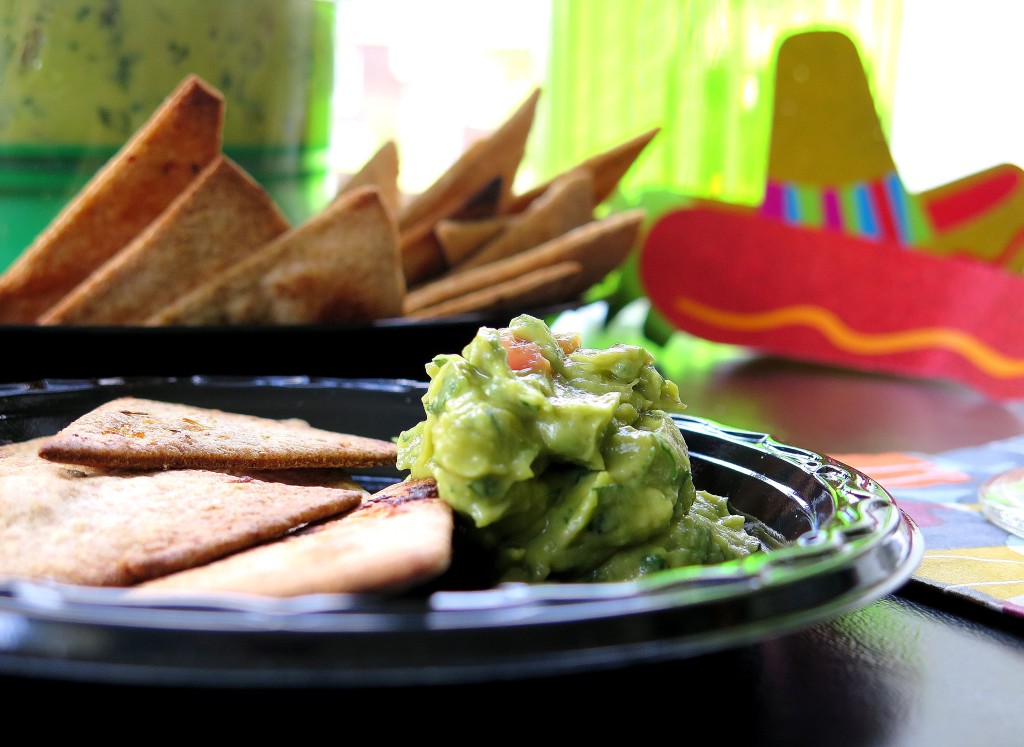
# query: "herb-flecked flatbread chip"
x,y
340,266
398,538
566,204
81,525
607,167
380,171
460,238
492,160
222,217
598,247
483,175
170,149
134,433
534,288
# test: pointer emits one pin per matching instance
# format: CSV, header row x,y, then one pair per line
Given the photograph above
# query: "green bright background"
x,y
703,72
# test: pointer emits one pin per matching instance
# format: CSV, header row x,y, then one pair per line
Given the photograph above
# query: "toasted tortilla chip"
x,y
163,157
83,526
486,202
568,203
342,265
423,253
496,155
460,238
134,433
399,538
607,167
599,246
222,217
381,171
422,256
489,164
541,286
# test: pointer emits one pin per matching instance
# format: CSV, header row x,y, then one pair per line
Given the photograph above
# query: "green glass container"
x,y
78,77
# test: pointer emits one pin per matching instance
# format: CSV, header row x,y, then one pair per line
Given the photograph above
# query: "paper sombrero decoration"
x,y
840,264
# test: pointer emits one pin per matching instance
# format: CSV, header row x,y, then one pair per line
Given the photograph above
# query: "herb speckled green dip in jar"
x,y
78,77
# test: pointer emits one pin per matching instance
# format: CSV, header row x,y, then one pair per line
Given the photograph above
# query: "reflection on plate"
x,y
394,348
845,544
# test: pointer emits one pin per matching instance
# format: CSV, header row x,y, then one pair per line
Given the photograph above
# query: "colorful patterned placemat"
x,y
965,555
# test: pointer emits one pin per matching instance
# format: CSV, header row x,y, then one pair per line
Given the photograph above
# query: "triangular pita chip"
x,y
599,246
181,137
497,155
399,538
608,168
460,238
222,217
380,171
537,287
489,164
341,266
566,204
487,201
422,256
134,433
83,526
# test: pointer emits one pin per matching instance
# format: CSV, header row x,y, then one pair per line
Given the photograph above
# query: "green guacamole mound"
x,y
566,464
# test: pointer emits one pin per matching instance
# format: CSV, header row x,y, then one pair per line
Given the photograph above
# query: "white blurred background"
x,y
959,100
433,76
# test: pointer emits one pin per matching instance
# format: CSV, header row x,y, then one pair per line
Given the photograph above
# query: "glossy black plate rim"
x,y
856,547
394,347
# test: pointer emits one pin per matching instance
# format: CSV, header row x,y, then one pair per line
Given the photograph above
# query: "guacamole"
x,y
564,461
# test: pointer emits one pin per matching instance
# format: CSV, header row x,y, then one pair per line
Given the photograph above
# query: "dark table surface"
x,y
912,668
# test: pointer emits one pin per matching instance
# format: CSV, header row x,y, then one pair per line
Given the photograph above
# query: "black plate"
x,y
393,348
846,544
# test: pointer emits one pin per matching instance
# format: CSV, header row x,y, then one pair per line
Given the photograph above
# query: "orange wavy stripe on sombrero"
x,y
863,343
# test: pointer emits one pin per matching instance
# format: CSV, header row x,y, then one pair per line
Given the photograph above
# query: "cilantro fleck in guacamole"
x,y
564,461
